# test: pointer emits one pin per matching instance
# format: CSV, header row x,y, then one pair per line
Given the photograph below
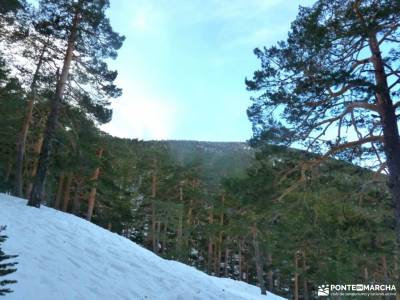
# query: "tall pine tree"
x,y
333,86
90,40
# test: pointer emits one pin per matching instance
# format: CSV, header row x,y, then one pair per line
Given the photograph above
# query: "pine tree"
x,y
11,95
88,32
332,86
6,268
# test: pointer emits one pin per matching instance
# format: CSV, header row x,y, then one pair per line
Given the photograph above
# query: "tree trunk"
x,y
384,269
44,159
77,198
165,237
247,272
153,207
59,191
217,258
37,149
93,191
67,192
257,257
21,143
390,129
240,261
278,281
8,170
296,277
305,284
226,265
221,223
396,270
385,272
158,233
270,273
210,242
179,233
189,215
366,274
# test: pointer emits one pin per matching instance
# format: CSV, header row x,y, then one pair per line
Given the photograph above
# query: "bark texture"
x,y
390,129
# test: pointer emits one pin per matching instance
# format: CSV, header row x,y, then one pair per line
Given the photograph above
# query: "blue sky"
x,y
183,65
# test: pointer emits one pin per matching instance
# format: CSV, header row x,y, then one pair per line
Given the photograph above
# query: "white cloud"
x,y
139,114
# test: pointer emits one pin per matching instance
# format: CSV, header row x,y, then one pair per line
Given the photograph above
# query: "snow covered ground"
x,y
64,257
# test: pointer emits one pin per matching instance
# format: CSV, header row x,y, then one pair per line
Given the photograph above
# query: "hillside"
x,y
217,158
65,257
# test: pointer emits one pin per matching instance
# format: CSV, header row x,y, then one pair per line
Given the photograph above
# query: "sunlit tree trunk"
x,y
21,143
258,262
77,197
37,148
67,192
93,190
44,159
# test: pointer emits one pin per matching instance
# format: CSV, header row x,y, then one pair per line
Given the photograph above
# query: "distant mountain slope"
x,y
65,257
217,158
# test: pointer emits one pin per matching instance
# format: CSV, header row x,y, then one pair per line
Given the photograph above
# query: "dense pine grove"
x,y
229,209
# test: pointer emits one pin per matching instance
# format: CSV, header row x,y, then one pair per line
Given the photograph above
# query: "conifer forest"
x,y
311,197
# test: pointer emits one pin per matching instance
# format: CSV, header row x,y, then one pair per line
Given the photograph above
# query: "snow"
x,y
65,257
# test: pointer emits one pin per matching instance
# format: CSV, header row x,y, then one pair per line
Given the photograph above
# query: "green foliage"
x,y
339,219
10,6
322,77
6,268
11,107
332,88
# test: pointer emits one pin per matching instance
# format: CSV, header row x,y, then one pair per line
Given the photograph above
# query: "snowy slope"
x,y
64,257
